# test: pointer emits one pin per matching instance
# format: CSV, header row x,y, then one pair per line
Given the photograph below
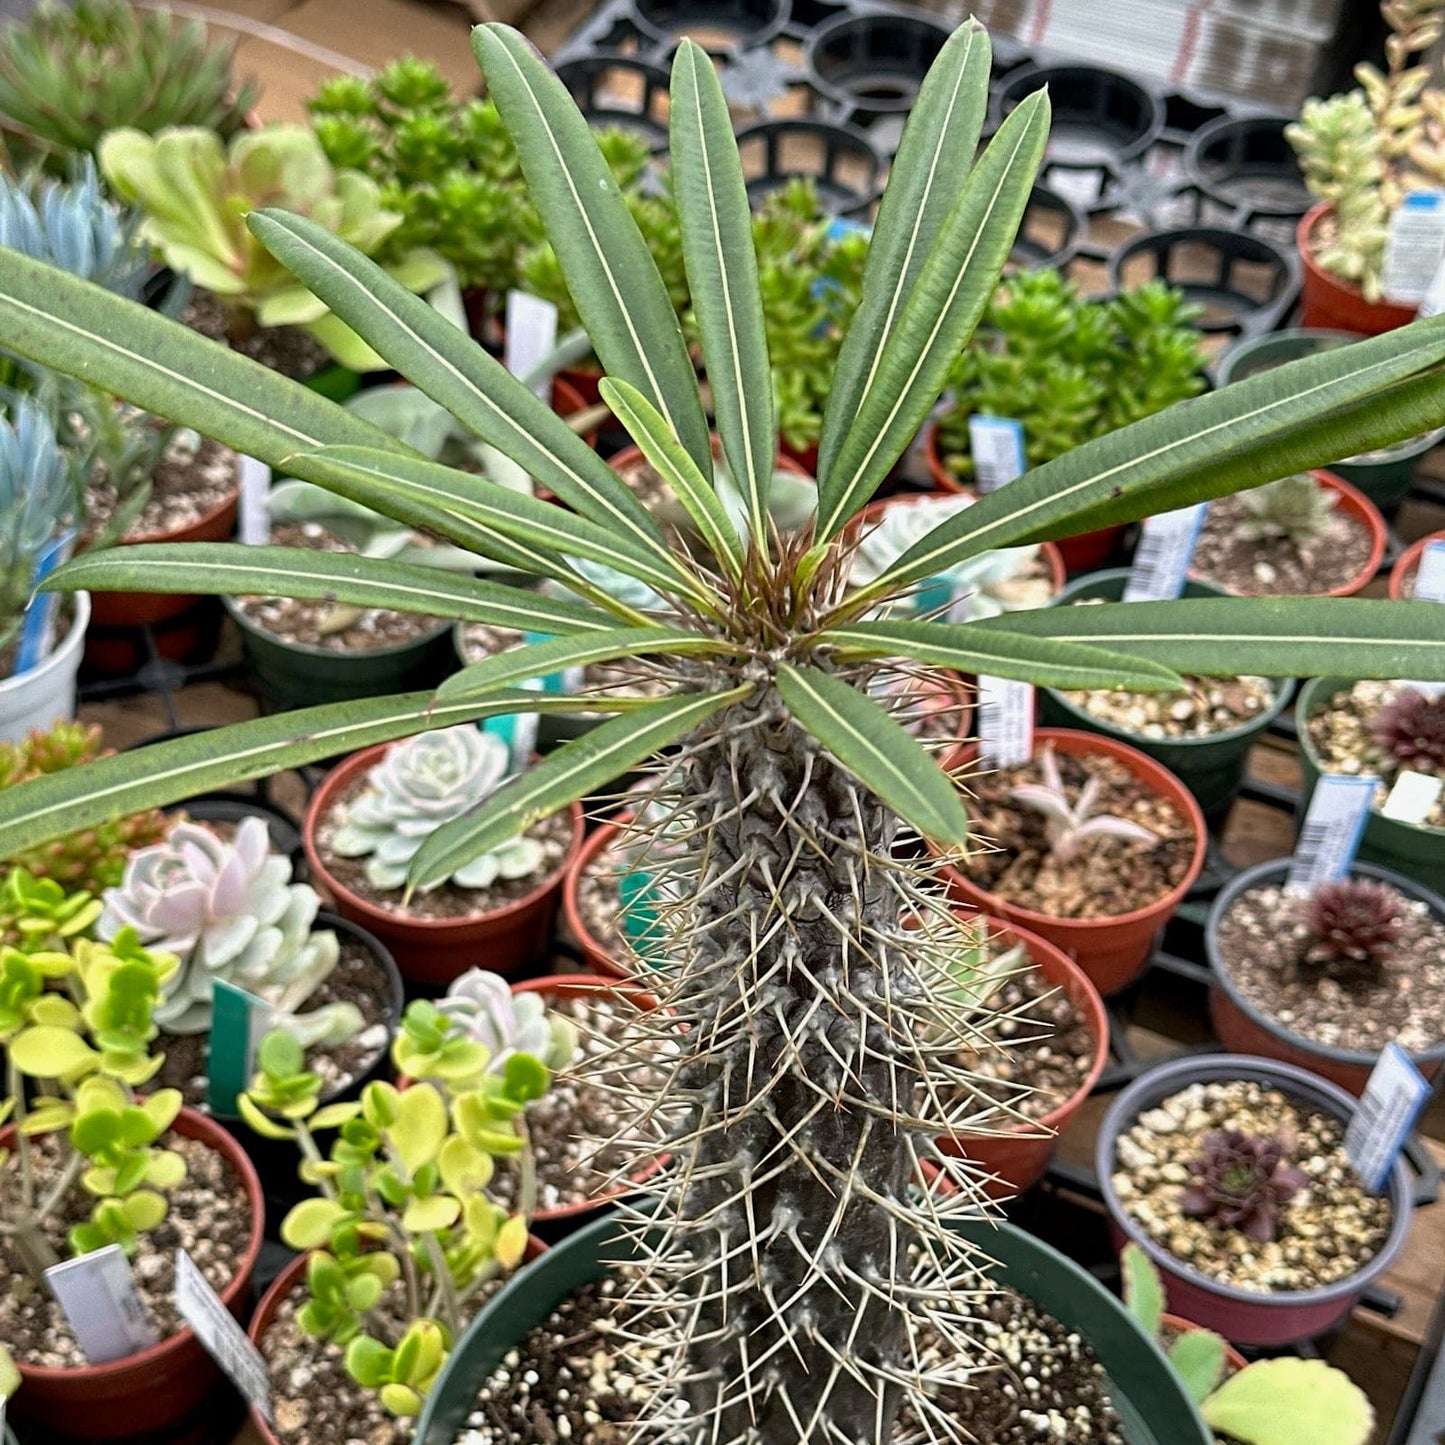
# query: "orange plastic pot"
x,y
1083,553
599,960
433,951
1405,569
160,1392
1329,301
1233,1360
1014,1161
1113,952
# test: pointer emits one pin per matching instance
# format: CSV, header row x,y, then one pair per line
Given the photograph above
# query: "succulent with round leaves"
x,y
1241,1181
229,910
419,786
1296,507
1411,729
1352,925
1071,827
40,914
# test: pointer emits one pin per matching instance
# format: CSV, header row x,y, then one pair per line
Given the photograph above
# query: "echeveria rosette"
x,y
483,1005
1411,729
1241,1181
1353,924
419,785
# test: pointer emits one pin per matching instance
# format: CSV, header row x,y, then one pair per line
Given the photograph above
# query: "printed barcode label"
x,y
997,444
1430,579
1005,721
1388,1108
1161,560
1331,831
98,1295
216,1328
1414,246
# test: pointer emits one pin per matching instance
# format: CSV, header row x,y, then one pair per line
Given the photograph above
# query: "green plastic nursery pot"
x,y
1327,301
1245,1029
1404,570
434,951
1143,1387
161,1392
1413,849
1384,476
294,674
1244,1317
1113,952
1212,768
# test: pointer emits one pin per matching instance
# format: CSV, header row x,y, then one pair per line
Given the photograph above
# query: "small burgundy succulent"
x,y
1240,1181
1411,729
1353,925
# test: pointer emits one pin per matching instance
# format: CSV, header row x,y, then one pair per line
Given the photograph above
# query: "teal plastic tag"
x,y
238,1019
640,921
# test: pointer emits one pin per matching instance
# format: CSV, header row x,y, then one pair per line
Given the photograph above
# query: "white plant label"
x,y
1161,560
997,444
1412,797
1414,247
1434,302
255,520
1331,831
225,1341
1005,721
1391,1103
98,1296
1430,579
531,336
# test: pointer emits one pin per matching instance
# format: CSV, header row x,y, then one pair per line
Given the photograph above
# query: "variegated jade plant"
x,y
819,1292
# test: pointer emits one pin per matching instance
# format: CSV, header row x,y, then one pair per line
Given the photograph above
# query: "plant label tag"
x,y
1327,840
98,1296
1412,797
254,520
640,920
531,336
225,1341
1161,560
238,1021
1430,579
997,444
1391,1103
1434,302
1414,247
1005,721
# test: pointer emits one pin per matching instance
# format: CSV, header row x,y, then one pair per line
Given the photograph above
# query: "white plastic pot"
x,y
38,697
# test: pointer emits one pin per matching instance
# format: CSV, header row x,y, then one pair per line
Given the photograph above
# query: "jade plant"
x,y
1297,508
1269,1402
70,73
401,1216
1352,925
229,910
799,796
1241,1181
195,193
78,1027
1071,827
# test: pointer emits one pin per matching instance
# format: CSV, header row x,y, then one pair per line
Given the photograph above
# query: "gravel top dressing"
x,y
1276,566
1211,707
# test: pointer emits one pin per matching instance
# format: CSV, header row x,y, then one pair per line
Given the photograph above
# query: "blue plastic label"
x,y
1389,1107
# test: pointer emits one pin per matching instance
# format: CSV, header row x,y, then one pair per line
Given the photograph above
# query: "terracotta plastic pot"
x,y
1245,1317
1015,1160
1233,1360
599,960
1331,302
159,1391
1113,952
1083,553
1244,1028
44,694
1353,503
1408,565
505,940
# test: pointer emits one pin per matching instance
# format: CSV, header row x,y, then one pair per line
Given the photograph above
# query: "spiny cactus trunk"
x,y
787,1258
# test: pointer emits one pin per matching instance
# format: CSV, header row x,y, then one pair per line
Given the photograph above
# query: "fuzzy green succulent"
x,y
1297,507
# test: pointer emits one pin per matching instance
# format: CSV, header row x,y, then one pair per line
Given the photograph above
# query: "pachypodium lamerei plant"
x,y
1268,1402
402,1202
420,785
1241,1181
1296,507
195,193
1071,827
75,1054
807,1110
229,910
1352,925
1411,729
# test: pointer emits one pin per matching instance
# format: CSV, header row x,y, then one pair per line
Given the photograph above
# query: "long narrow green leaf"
x,y
887,760
932,163
1263,636
610,273
231,570
953,287
592,761
453,370
967,648
61,803
521,664
668,457
83,330
376,478
722,276
1305,413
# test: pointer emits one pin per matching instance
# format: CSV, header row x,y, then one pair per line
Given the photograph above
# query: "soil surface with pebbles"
x,y
1211,707
1327,1232
1263,944
209,1218
1037,1381
194,477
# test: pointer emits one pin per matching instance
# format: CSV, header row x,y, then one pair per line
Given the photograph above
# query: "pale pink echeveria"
x,y
505,1023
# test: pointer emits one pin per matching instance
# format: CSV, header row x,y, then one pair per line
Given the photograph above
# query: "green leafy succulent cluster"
x,y
402,1202
1070,369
